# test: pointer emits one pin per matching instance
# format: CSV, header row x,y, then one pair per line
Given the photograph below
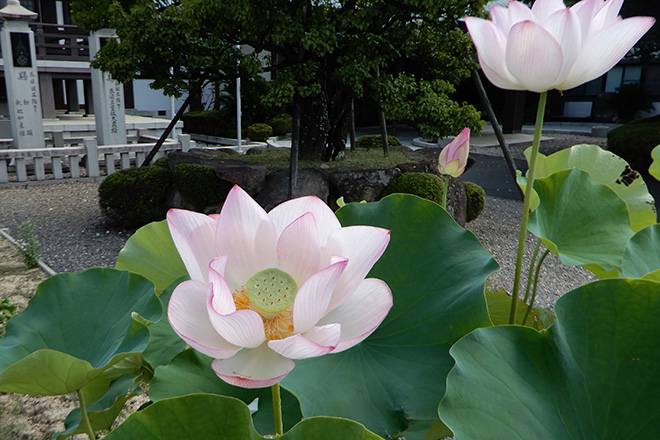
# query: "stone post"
x,y
21,77
108,97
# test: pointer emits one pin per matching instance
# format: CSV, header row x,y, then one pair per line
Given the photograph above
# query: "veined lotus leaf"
x,y
592,375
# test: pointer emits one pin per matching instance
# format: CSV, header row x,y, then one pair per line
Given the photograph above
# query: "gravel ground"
x,y
74,237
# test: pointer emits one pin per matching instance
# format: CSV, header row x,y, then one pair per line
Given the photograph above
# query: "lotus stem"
x,y
445,189
277,409
540,112
530,273
84,421
536,282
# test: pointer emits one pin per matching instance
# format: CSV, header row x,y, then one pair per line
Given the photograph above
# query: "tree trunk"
x,y
314,127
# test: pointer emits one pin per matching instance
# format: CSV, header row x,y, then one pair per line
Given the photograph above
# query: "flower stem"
x,y
536,282
540,111
444,191
530,273
84,422
277,409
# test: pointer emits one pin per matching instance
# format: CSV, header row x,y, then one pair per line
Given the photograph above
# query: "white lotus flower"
x,y
269,288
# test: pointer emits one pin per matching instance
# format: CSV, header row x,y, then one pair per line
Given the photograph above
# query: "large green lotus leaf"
x,y
78,333
593,375
190,372
499,310
213,417
151,253
654,169
164,343
582,221
642,256
608,169
436,271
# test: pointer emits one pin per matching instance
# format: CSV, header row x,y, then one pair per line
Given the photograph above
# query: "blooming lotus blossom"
x,y
269,288
551,46
453,157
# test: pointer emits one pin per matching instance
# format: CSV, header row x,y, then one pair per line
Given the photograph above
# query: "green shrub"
x,y
630,100
199,186
259,132
475,200
375,141
281,124
634,141
210,123
29,245
133,197
425,185
161,162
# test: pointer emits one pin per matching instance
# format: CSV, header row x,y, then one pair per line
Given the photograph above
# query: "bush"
x,y
259,132
133,197
210,123
199,186
476,200
376,141
426,185
630,100
281,124
634,141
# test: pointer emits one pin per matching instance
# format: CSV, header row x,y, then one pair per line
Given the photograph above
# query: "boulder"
x,y
310,182
358,185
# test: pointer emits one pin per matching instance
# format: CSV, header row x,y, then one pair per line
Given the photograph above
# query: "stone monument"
x,y
21,77
108,96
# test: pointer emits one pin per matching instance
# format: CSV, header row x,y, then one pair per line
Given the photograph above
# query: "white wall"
x,y
150,102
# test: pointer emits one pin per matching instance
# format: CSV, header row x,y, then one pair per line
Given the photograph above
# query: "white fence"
x,y
90,160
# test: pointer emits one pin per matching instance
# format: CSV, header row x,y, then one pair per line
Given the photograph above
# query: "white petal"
x,y
253,368
285,213
314,296
298,248
606,16
247,236
223,300
602,51
543,9
519,12
533,56
491,46
363,246
244,328
193,235
361,313
188,316
586,10
316,342
564,26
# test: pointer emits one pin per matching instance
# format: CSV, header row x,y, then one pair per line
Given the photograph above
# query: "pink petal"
x,y
586,10
602,51
223,300
253,368
188,316
564,26
298,248
316,342
285,213
543,9
519,12
361,313
246,235
533,56
490,42
244,328
363,246
314,296
606,16
193,234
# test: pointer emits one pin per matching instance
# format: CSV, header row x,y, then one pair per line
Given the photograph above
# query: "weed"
x,y
29,244
7,310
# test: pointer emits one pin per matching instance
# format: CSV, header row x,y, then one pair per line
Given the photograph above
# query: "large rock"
x,y
310,182
358,185
248,176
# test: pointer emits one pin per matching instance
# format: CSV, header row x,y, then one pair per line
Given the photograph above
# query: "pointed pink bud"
x,y
453,157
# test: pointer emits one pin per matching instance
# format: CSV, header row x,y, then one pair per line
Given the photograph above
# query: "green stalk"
x,y
444,191
530,273
536,282
84,422
277,409
540,111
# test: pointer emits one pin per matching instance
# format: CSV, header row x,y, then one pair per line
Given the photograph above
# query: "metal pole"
x,y
238,106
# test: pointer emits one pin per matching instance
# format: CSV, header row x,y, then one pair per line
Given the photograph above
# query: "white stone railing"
x,y
90,160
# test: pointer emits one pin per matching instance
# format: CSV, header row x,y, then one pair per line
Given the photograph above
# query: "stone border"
x,y
43,266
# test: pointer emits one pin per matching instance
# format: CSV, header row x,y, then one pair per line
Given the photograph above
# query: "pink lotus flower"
x,y
551,46
268,288
453,157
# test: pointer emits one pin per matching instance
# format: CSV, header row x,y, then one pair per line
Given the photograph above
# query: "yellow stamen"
x,y
276,327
